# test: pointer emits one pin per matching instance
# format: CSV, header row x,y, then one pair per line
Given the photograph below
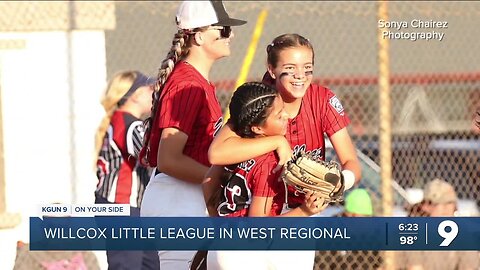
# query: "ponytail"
x,y
181,44
116,89
268,80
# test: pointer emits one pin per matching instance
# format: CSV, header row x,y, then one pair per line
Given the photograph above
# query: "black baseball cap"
x,y
140,80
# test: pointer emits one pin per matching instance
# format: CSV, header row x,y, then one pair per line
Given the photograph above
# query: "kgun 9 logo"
x,y
450,235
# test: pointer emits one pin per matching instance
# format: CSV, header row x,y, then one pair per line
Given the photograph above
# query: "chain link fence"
x,y
435,83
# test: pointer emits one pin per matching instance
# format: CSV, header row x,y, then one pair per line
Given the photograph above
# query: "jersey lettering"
x,y
247,165
316,153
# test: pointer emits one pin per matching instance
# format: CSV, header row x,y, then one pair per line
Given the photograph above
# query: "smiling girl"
x,y
312,111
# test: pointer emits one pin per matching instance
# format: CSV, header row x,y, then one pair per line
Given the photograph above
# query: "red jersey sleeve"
x,y
180,106
335,117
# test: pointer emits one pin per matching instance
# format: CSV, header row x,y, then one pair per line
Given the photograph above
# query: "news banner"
x,y
109,227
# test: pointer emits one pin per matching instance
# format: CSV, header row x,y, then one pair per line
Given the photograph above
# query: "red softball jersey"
x,y
189,104
252,178
321,112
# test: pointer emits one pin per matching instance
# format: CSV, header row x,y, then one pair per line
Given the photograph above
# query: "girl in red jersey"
x,y
312,111
185,116
121,178
250,188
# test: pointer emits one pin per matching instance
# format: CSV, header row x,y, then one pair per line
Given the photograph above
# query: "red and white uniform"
x,y
121,179
321,112
253,178
188,103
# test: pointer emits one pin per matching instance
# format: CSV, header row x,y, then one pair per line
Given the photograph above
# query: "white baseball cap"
x,y
193,14
439,191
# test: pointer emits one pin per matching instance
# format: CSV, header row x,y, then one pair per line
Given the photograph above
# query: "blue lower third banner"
x,y
203,233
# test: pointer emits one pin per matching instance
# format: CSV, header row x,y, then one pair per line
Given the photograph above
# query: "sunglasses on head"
x,y
225,31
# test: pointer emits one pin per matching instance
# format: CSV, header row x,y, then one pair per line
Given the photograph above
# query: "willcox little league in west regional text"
x,y
196,233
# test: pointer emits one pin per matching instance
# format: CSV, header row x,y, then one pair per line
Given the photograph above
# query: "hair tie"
x,y
260,97
270,46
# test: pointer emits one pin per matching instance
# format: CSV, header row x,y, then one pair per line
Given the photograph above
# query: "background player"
x,y
439,200
185,117
249,188
121,178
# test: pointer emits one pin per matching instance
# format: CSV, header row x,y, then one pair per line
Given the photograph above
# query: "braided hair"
x,y
116,89
250,106
181,44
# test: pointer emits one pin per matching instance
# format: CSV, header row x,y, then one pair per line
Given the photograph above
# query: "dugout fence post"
x,y
2,163
7,220
385,132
